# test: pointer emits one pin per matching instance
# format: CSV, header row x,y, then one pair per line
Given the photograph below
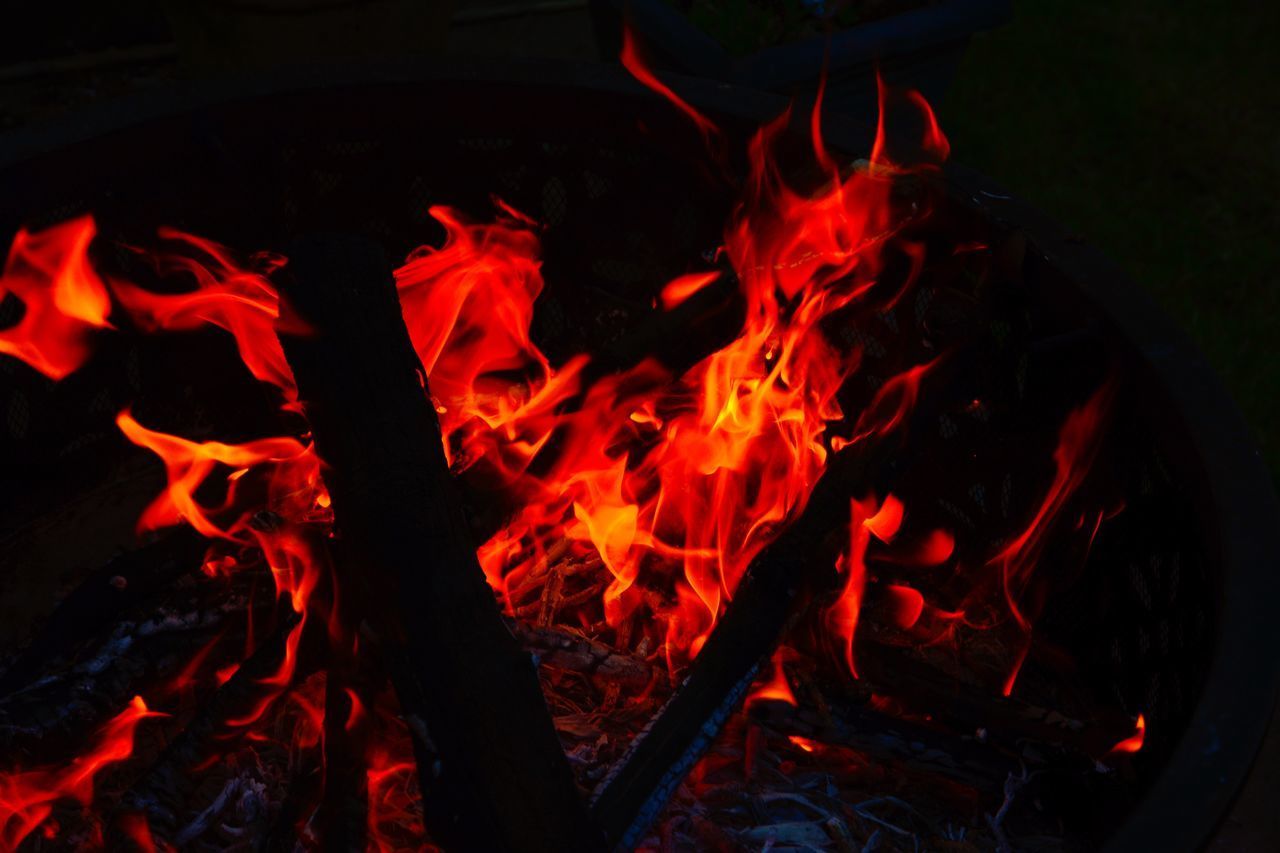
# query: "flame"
x,y
907,605
391,808
1078,443
805,743
189,464
776,688
1133,743
63,299
680,289
674,482
468,306
867,519
27,797
136,828
227,294
630,58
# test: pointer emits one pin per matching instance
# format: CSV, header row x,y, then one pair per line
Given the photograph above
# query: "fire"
x,y
680,289
189,464
237,298
1133,743
27,797
63,299
675,482
776,688
867,519
1078,443
805,743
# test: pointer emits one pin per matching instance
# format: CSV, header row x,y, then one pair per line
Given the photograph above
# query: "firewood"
x,y
83,686
162,792
570,653
110,590
465,676
898,742
894,671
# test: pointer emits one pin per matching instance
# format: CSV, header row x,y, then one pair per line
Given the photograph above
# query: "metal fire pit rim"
x,y
1235,706
1241,690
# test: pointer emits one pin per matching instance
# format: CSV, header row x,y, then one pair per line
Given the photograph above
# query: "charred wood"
x,y
109,591
133,656
164,790
896,672
364,394
897,742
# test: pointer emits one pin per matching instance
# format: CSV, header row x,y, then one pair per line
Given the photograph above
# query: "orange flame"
x,y
63,299
1133,742
776,688
27,797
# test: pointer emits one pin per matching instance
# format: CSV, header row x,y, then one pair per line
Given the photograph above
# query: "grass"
x,y
1152,128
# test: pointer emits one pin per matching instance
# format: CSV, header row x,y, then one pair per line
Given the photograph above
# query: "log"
x,y
893,741
897,672
110,590
344,805
502,781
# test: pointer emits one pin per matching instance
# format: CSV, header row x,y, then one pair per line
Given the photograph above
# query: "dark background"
x,y
1153,128
1150,127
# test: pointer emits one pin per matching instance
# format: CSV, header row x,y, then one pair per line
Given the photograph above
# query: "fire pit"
x,y
860,509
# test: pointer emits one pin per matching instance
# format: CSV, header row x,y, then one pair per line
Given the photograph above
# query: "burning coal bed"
x,y
823,552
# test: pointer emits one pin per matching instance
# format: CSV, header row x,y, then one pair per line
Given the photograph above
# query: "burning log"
x,y
363,390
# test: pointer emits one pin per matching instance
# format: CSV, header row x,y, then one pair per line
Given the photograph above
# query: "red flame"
x,y
866,519
228,295
671,484
189,464
680,289
27,797
1078,443
63,299
907,604
776,688
630,59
